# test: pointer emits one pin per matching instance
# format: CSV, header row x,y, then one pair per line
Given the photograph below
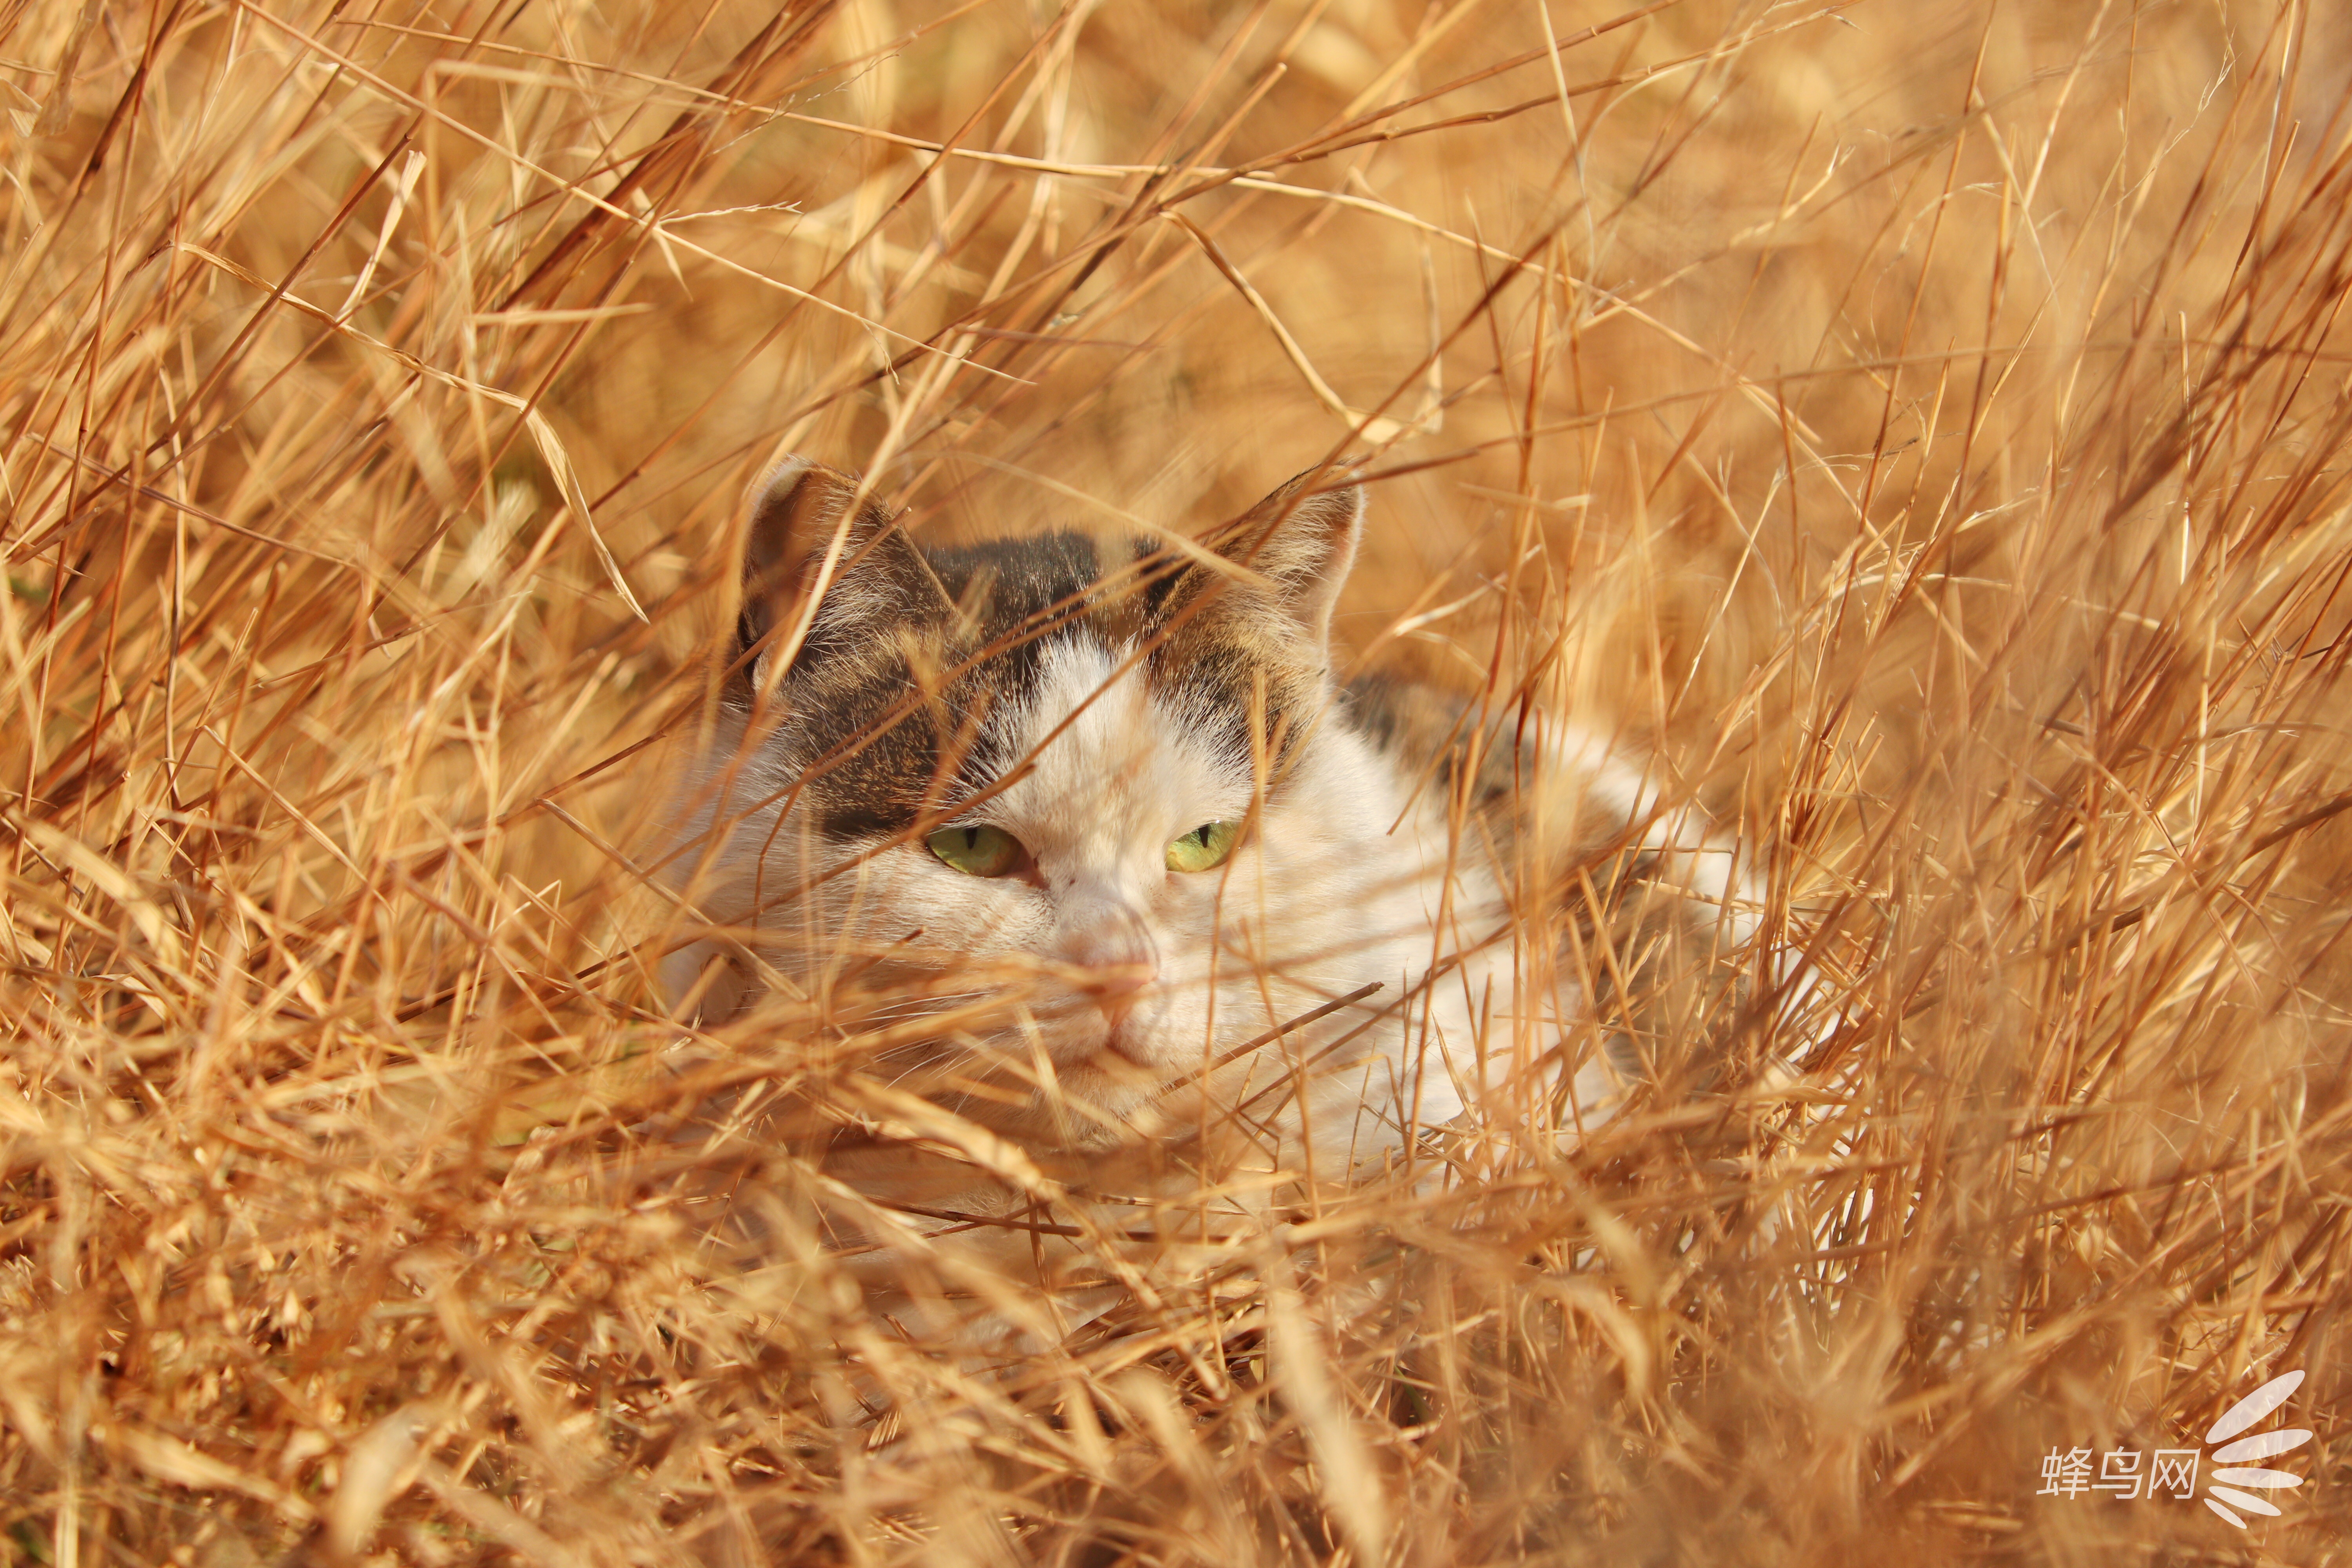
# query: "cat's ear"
x,y
1302,540
799,512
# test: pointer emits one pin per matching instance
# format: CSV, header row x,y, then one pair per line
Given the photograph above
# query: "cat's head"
x,y
1094,773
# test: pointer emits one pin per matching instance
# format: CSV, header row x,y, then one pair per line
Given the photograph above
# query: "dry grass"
x,y
1929,428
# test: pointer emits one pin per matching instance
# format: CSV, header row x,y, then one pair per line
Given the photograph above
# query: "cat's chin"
x,y
1121,1098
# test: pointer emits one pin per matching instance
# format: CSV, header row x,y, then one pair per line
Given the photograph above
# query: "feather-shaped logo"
x,y
2225,1492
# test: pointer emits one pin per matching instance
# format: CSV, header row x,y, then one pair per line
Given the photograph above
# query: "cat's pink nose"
x,y
1112,975
1112,962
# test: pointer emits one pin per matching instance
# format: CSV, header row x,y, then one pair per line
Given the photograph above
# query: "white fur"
x,y
1337,885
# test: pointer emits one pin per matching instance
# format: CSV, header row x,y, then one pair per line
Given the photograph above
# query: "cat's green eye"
x,y
978,851
1204,848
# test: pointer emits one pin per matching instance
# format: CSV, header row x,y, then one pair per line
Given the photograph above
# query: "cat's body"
x,y
1102,827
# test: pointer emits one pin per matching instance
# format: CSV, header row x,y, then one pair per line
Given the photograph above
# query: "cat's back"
x,y
1518,768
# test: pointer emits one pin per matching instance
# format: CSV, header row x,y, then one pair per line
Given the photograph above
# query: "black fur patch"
x,y
1415,723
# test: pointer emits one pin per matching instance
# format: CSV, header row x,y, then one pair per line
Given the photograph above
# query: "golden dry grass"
x,y
1927,422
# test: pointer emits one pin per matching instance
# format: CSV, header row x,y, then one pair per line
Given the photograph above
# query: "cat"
x,y
1091,836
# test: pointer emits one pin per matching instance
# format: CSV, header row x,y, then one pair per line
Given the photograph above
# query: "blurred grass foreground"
x,y
1924,422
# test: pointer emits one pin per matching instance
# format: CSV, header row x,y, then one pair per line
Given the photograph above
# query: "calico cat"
x,y
1100,822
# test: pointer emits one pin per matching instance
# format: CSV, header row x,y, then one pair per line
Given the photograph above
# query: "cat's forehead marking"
x,y
1023,578
1113,770
1012,597
1020,635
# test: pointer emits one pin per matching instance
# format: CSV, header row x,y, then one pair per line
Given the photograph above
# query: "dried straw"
x,y
1925,425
